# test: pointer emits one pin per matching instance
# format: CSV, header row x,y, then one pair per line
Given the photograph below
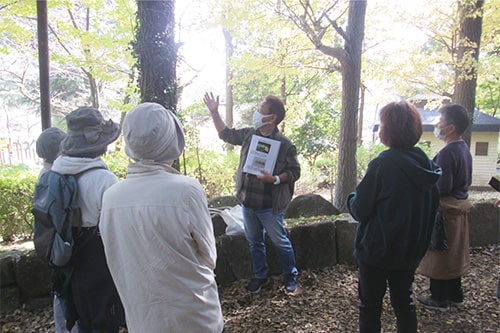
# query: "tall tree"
x,y
156,52
43,61
87,42
488,90
470,27
316,25
229,82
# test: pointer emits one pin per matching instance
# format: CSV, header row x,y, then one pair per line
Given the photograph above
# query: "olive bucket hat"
x,y
88,133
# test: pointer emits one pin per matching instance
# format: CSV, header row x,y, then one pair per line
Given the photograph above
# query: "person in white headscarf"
x,y
157,232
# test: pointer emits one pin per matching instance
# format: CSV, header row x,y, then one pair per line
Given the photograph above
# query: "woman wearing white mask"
x,y
446,267
265,196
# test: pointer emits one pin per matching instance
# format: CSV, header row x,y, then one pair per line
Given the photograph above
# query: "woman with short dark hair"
x,y
400,125
395,205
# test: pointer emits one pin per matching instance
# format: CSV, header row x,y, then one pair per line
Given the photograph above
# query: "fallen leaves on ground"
x,y
327,302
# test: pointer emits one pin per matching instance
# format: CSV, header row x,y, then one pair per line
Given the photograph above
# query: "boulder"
x,y
314,245
10,299
33,275
34,303
346,233
7,260
234,261
224,201
307,205
484,224
236,255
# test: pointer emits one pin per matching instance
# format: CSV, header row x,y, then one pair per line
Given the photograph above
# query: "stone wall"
x,y
25,280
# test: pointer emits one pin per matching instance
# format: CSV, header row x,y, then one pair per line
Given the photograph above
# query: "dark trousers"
x,y
96,299
447,290
372,286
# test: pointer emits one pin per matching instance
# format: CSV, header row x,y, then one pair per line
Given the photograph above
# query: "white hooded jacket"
x,y
160,247
91,183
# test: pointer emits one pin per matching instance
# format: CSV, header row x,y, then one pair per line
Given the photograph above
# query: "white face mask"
x,y
257,119
438,134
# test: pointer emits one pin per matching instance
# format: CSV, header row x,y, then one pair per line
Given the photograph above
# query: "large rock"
x,y
234,261
484,224
314,245
7,276
33,275
235,251
345,227
10,299
41,302
224,201
308,205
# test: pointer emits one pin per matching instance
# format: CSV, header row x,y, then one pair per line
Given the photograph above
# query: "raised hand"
x,y
211,102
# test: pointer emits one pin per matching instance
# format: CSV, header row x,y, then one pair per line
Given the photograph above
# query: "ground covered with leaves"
x,y
327,302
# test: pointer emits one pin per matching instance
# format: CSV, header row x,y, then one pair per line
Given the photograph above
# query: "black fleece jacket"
x,y
395,205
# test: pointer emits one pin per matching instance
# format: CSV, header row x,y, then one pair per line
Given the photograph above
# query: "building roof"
x,y
482,121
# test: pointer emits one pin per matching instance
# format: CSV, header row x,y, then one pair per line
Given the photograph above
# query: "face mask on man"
x,y
438,133
258,119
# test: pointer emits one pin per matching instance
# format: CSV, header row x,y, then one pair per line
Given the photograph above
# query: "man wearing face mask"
x,y
446,267
266,196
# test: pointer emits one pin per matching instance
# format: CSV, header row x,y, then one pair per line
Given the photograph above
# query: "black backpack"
x,y
56,211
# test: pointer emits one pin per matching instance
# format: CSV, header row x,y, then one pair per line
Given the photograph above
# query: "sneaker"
x,y
255,285
291,283
432,304
457,304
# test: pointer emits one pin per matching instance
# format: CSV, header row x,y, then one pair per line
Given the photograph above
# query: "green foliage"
x,y
318,134
17,184
488,87
88,52
117,162
215,171
365,154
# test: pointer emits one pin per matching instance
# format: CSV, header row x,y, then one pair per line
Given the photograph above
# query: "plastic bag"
x,y
439,241
233,217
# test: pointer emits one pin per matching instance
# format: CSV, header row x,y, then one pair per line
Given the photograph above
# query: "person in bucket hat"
x,y
88,133
96,299
158,234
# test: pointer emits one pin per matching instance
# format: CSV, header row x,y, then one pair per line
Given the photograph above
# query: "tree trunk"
x,y
156,52
283,98
229,85
94,90
362,90
471,21
351,73
43,62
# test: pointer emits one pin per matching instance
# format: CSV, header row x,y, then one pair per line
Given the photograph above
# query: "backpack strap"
x,y
77,177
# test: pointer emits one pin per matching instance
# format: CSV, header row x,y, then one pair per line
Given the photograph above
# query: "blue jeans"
x,y
257,223
372,286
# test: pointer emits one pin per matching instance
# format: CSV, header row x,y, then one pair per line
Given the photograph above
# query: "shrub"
x,y
117,162
215,171
17,184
